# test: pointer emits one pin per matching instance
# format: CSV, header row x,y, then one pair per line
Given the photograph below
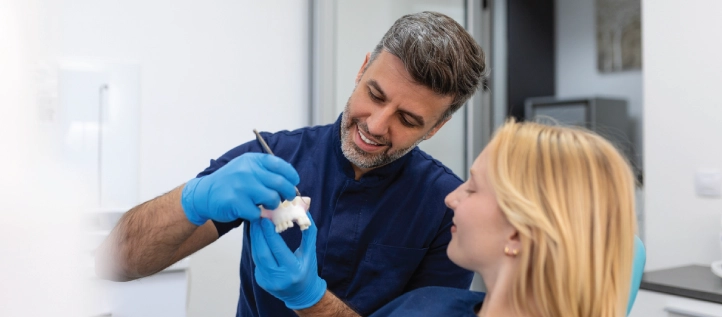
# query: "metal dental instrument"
x,y
268,150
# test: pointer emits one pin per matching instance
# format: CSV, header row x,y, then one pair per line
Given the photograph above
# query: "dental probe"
x,y
268,150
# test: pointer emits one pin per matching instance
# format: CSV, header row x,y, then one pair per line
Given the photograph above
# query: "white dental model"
x,y
288,212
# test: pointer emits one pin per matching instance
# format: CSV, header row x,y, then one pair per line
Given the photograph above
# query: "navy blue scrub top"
x,y
434,301
378,237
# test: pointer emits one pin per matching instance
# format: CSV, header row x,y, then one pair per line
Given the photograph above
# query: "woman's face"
x,y
480,231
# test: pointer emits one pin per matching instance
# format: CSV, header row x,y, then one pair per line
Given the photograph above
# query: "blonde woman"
x,y
547,219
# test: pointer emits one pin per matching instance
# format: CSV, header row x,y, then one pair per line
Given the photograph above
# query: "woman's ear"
x,y
513,242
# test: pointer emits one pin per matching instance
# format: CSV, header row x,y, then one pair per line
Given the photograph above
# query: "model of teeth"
x,y
288,212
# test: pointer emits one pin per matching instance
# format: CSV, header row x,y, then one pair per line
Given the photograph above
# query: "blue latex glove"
x,y
291,277
235,190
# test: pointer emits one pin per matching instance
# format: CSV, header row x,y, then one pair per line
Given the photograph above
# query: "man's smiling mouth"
x,y
365,139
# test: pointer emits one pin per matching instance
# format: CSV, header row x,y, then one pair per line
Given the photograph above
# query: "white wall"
x,y
683,129
211,71
576,63
39,200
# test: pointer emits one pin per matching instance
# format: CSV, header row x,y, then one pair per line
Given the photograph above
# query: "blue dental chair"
x,y
640,257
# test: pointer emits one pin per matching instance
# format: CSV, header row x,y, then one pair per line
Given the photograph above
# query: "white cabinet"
x,y
654,304
161,294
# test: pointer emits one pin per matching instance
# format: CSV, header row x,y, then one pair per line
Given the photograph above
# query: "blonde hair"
x,y
570,195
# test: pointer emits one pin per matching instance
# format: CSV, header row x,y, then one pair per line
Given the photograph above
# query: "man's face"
x,y
388,114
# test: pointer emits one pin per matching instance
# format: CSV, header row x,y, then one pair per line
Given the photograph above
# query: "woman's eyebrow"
x,y
471,177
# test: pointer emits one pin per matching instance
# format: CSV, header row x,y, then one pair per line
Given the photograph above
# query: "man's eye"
x,y
374,97
406,122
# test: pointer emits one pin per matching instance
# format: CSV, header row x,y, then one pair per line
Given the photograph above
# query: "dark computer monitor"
x,y
605,116
568,113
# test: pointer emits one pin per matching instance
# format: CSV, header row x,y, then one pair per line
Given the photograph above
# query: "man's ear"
x,y
363,67
436,128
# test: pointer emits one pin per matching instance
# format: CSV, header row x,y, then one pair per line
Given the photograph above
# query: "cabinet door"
x,y
162,294
98,130
82,95
653,304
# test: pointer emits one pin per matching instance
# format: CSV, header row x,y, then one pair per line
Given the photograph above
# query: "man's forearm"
x,y
145,239
328,306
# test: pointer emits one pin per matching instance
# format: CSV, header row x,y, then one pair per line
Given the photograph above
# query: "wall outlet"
x,y
708,183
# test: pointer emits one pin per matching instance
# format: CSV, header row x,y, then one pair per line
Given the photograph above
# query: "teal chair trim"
x,y
640,258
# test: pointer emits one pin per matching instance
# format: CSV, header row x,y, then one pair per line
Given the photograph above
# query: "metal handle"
x,y
101,94
676,311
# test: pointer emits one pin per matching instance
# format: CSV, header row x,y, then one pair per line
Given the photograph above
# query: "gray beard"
x,y
361,158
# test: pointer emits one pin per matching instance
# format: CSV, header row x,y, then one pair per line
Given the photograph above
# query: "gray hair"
x,y
438,53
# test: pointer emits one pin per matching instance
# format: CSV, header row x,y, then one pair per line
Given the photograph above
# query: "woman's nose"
x,y
451,200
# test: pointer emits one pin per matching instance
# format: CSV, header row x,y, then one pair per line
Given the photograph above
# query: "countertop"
x,y
691,281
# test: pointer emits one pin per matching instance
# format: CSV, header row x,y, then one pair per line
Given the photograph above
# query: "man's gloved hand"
x,y
291,277
235,190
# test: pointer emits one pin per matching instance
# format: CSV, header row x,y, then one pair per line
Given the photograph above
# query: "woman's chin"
x,y
457,256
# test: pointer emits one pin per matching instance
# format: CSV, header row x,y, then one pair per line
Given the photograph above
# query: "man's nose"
x,y
378,122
